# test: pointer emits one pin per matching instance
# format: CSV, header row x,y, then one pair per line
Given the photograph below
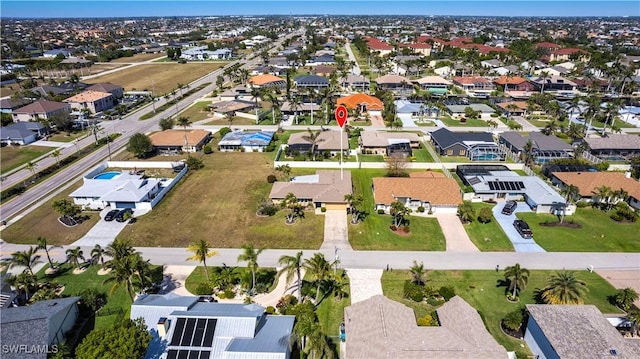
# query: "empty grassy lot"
x,y
489,236
218,203
481,289
165,76
64,137
15,156
374,234
599,233
137,58
43,222
470,122
197,111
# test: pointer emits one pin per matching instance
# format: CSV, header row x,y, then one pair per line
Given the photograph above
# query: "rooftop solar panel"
x,y
188,332
474,181
521,185
199,332
172,354
501,186
177,333
208,333
194,354
183,354
492,186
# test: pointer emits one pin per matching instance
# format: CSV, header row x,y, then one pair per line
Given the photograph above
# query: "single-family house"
x,y
419,48
547,46
386,143
379,328
567,54
267,80
245,141
326,188
614,146
474,86
324,70
397,84
553,83
93,101
38,328
513,83
115,90
325,59
378,46
311,81
505,70
44,109
436,85
48,91
491,64
201,53
327,141
477,146
55,52
173,141
589,182
7,105
459,111
22,133
230,107
514,108
432,191
354,82
195,327
361,102
551,333
544,148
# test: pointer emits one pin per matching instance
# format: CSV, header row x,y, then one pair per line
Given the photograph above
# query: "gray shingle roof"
x,y
327,140
445,138
540,141
384,139
42,107
20,130
614,141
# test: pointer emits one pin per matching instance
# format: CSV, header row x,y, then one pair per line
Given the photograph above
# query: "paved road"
x,y
356,68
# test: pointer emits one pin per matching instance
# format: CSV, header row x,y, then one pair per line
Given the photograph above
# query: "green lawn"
x,y
371,158
374,234
330,313
422,155
198,111
469,123
461,159
359,123
599,233
15,156
488,237
481,289
65,137
198,277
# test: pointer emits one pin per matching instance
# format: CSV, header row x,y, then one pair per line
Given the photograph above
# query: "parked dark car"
x,y
523,228
509,207
120,217
111,215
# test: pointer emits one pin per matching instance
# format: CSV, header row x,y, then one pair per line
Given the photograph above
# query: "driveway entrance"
x,y
336,233
455,234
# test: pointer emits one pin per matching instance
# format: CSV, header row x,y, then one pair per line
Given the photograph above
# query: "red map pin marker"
x,y
341,115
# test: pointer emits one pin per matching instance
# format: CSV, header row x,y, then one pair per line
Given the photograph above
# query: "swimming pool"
x,y
107,175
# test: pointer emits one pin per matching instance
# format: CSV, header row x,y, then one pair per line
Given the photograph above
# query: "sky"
x,y
135,8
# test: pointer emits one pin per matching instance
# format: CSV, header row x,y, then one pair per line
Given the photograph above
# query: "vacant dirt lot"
x,y
166,76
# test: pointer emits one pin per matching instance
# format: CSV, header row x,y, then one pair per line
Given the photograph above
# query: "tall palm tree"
x,y
593,110
291,201
571,192
604,196
184,122
123,273
75,255
293,265
28,258
97,255
354,203
311,93
417,273
625,297
564,288
518,278
611,111
201,252
42,244
634,316
318,344
256,93
32,167
313,138
120,249
56,154
320,269
527,153
339,281
295,103
250,255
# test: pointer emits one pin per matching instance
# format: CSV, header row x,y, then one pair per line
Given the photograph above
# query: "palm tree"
x,y
527,153
604,196
320,269
250,255
123,273
56,154
291,201
311,93
570,194
285,170
399,211
184,122
466,212
295,103
517,277
74,256
575,130
354,203
611,111
625,297
564,288
551,128
28,258
23,282
318,344
293,265
32,167
255,95
97,255
491,124
42,244
417,273
339,282
634,316
120,249
593,110
312,138
201,252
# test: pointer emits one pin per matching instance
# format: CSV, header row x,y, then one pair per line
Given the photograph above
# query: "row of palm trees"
x,y
563,287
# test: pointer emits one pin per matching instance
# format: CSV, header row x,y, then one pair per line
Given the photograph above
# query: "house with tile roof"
x,y
267,80
474,86
40,109
245,141
115,90
552,83
94,101
575,332
614,146
514,108
173,141
379,46
567,54
361,101
513,83
423,49
436,85
354,82
327,141
433,191
326,188
379,328
589,182
395,83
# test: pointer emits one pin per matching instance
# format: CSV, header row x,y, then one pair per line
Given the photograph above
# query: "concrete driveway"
x,y
506,222
455,234
364,283
102,233
407,121
336,232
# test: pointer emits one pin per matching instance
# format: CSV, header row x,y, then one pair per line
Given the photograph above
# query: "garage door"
x,y
336,206
125,205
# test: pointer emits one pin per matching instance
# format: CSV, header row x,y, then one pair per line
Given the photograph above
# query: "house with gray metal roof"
x,y
544,148
190,327
575,332
381,328
246,141
22,133
477,146
311,81
40,326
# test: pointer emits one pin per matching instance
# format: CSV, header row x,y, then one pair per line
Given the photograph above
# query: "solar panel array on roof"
x,y
194,332
506,185
474,180
188,354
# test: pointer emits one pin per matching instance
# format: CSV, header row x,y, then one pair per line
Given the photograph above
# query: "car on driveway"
x,y
523,228
111,215
509,207
120,217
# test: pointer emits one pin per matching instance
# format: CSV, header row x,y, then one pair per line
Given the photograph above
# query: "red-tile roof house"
x,y
567,54
548,46
516,83
378,45
471,84
419,48
363,101
40,109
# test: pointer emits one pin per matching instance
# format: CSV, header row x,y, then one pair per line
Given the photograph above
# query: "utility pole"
x,y
153,99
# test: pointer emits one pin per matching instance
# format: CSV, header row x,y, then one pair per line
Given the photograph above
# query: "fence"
x,y
166,190
445,166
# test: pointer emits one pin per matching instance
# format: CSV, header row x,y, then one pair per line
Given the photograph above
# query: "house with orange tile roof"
x,y
361,101
379,46
267,80
431,190
589,182
94,101
173,141
513,83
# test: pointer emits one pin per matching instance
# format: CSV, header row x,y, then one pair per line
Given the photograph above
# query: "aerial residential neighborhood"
x,y
264,180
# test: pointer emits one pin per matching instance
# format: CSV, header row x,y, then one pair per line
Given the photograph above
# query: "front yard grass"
x,y
197,112
198,276
218,203
15,156
482,291
422,155
236,120
330,312
599,233
488,237
370,158
373,232
43,222
469,123
68,137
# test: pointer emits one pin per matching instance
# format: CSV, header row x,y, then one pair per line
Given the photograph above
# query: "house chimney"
x,y
163,327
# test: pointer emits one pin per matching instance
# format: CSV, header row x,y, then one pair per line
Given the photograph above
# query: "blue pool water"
x,y
107,175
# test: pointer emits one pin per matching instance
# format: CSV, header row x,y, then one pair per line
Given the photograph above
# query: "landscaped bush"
x,y
203,289
447,292
207,149
229,294
286,303
421,209
92,299
413,291
485,215
194,163
427,321
434,302
583,204
223,131
623,212
323,209
381,211
270,310
271,178
513,320
561,135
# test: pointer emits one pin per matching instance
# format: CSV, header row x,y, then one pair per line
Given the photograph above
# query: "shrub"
x,y
194,163
485,215
433,301
421,209
271,178
270,310
447,292
413,291
513,320
381,211
430,211
207,149
602,166
583,204
561,135
425,321
223,131
229,294
203,289
286,303
323,209
92,299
